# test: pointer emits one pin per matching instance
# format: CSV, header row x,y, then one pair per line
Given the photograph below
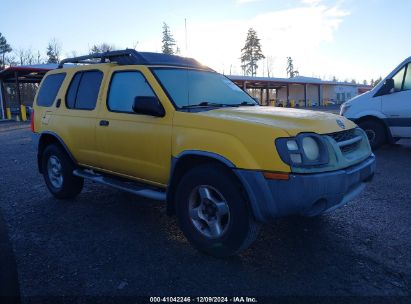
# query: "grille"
x,y
343,135
346,136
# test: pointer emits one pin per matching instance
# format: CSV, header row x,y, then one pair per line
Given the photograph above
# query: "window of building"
x,y
124,88
83,91
49,89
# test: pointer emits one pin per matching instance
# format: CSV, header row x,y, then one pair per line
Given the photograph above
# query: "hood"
x,y
360,97
292,121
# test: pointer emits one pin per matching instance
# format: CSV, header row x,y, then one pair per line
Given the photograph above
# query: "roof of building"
x,y
26,73
275,81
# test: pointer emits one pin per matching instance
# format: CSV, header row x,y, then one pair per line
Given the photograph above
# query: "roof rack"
x,y
130,56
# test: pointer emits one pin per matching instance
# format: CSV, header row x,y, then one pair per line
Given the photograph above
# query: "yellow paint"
x,y
8,113
141,147
292,102
23,113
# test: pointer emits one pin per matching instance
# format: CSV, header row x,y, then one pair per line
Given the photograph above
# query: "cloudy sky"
x,y
346,38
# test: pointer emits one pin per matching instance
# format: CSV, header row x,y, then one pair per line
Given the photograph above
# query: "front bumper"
x,y
305,194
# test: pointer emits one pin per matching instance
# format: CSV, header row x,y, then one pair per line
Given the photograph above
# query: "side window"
x,y
83,91
407,81
124,88
398,79
72,91
49,89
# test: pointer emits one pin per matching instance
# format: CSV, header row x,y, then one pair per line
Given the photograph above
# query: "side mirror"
x,y
148,105
387,87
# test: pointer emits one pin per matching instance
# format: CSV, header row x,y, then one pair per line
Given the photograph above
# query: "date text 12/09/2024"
x,y
203,300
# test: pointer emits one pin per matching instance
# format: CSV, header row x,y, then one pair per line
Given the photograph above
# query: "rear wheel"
x,y
58,173
375,131
213,213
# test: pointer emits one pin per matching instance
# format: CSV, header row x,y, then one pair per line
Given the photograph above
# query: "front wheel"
x,y
213,212
375,132
57,170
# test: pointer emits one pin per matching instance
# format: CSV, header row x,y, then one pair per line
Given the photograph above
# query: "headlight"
x,y
344,108
303,150
311,148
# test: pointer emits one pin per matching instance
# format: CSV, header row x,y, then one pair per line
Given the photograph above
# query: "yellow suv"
x,y
170,129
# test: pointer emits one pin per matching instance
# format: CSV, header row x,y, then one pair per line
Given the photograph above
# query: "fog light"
x,y
296,158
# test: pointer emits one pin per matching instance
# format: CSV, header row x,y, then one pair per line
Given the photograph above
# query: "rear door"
x,y
75,119
397,104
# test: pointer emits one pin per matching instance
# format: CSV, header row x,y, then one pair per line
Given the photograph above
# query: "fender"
x,y
376,115
174,176
40,147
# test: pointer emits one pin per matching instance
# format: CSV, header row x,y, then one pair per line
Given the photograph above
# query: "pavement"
x,y
107,244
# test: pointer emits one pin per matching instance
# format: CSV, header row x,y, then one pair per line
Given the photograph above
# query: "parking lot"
x,y
110,243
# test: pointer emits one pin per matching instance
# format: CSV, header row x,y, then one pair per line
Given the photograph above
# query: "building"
x,y
18,86
298,91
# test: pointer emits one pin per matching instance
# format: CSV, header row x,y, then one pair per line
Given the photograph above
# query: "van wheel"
x,y
375,131
58,173
213,213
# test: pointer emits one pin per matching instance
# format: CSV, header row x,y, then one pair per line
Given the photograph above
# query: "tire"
x,y
58,173
209,196
376,133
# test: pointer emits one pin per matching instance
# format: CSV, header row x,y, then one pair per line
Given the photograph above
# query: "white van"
x,y
384,113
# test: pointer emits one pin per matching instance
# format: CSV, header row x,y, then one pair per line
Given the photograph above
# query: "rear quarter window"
x,y
49,89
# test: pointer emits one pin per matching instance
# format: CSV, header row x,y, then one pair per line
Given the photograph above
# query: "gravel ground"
x,y
109,243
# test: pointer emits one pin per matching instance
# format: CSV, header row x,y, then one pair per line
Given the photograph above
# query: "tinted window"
x,y
84,89
124,88
49,89
398,79
72,91
407,81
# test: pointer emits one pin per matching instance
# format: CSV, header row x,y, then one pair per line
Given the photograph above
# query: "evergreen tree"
x,y
53,51
4,48
290,68
377,81
102,48
168,40
251,53
52,58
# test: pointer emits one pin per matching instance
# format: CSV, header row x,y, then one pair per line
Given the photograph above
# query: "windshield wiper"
x,y
208,104
245,103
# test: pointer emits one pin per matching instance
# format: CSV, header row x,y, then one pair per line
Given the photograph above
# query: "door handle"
x,y
104,123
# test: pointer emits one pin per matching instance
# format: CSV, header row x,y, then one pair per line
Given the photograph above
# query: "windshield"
x,y
194,88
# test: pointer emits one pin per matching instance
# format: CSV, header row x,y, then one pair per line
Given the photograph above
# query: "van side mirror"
x,y
148,105
386,87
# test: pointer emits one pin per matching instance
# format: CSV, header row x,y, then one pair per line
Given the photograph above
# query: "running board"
x,y
125,186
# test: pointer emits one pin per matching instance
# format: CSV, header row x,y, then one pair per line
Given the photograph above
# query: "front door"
x,y
131,144
396,105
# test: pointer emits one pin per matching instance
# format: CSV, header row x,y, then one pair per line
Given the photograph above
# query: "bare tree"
x,y
270,63
39,60
25,56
